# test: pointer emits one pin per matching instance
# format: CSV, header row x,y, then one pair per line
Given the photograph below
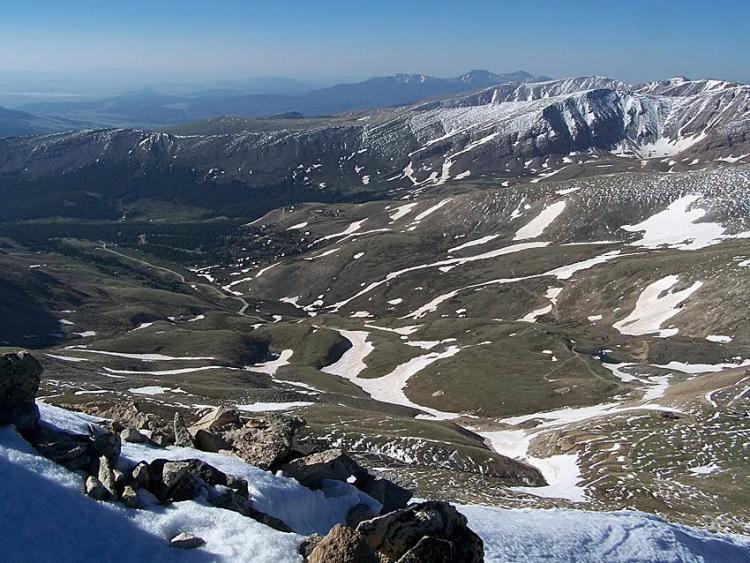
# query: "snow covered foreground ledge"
x,y
45,517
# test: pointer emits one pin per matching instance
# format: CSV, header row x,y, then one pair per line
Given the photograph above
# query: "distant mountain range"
x,y
496,134
148,108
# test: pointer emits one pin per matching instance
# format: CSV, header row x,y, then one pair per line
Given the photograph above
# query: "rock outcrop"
x,y
342,545
313,469
430,531
20,374
395,534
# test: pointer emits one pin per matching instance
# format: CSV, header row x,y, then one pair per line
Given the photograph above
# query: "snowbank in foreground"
x,y
45,517
303,510
583,536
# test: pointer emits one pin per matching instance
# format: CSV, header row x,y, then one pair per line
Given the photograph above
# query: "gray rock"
x,y
106,476
265,441
329,464
217,418
182,437
20,375
140,476
94,489
161,438
184,540
342,545
72,451
394,534
173,471
209,442
132,436
129,497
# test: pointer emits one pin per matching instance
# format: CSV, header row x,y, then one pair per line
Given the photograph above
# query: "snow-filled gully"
x,y
561,471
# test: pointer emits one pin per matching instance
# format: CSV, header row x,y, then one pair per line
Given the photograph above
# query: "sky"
x,y
329,40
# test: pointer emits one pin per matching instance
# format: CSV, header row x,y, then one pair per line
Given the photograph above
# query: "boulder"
x,y
217,418
94,489
394,534
72,451
129,497
185,479
329,464
106,476
132,436
140,476
391,495
267,441
429,550
161,437
182,437
178,482
20,375
184,540
209,442
342,545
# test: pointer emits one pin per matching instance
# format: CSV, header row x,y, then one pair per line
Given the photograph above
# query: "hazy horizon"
x,y
335,41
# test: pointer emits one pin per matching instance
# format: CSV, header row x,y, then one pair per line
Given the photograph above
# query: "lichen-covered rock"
x,y
266,441
218,417
394,534
130,415
106,476
330,464
210,442
74,452
94,489
20,375
132,436
140,476
342,545
182,437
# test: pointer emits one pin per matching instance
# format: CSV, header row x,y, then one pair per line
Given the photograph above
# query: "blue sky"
x,y
329,39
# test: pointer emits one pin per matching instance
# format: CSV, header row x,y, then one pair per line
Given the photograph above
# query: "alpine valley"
x,y
527,295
